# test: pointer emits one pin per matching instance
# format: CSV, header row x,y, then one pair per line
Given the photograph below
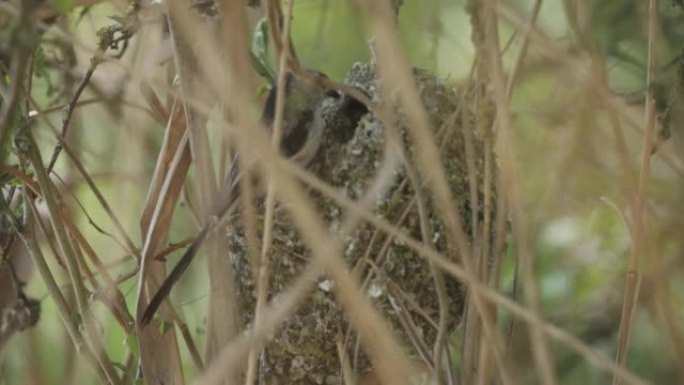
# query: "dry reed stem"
x,y
615,108
612,101
231,42
485,359
640,249
591,355
376,336
473,341
277,312
69,319
41,114
393,64
426,232
68,252
159,351
276,134
510,178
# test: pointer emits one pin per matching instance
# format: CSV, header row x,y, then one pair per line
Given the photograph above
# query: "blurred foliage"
x,y
575,186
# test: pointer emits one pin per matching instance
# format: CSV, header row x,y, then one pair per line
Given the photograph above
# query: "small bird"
x,y
301,136
303,125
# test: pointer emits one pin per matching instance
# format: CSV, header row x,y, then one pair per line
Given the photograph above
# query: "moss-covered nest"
x,y
303,350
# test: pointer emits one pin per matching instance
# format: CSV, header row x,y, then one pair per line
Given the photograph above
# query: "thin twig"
x,y
522,54
69,111
91,184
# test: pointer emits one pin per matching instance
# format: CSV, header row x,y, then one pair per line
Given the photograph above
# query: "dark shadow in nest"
x,y
400,282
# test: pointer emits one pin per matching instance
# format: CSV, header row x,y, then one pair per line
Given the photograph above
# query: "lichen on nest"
x,y
303,350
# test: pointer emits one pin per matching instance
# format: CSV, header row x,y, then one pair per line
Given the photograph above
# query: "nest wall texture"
x,y
400,282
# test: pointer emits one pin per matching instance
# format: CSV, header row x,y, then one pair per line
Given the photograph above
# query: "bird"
x,y
302,132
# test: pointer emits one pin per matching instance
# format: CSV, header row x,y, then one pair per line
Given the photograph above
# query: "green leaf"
x,y
132,343
260,39
262,90
259,51
164,327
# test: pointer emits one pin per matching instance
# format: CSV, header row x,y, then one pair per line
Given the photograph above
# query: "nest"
x,y
400,282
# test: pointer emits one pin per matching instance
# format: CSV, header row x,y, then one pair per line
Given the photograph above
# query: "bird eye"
x,y
333,94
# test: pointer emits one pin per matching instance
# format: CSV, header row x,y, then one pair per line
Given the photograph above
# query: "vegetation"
x,y
496,197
